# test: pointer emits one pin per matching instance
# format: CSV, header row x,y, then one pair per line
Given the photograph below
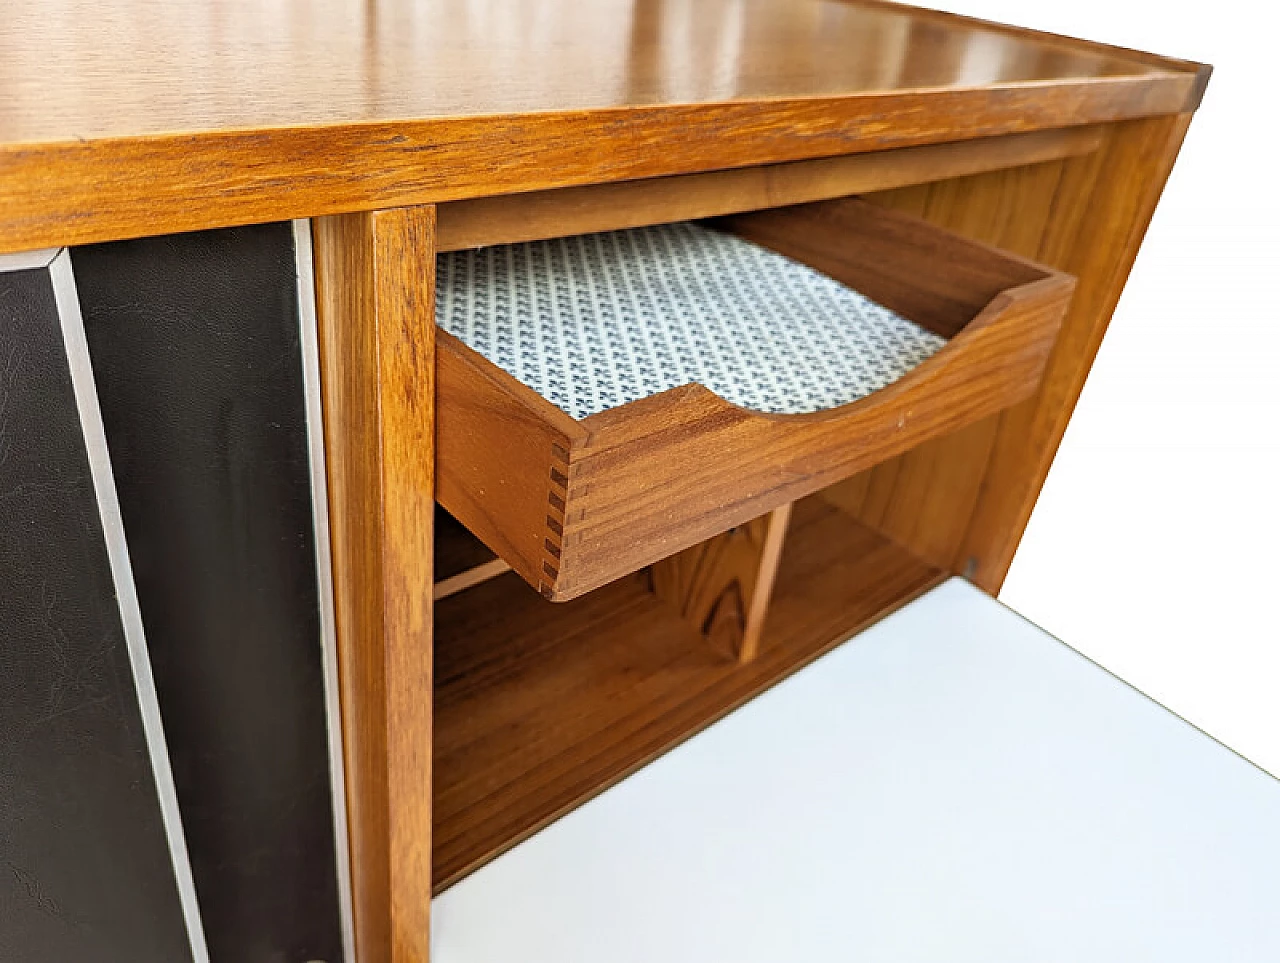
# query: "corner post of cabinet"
x,y
375,278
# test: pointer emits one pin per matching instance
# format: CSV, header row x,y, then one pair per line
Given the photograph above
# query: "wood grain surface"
x,y
722,586
502,458
131,117
708,465
509,218
1113,214
903,263
374,277
924,497
963,501
540,706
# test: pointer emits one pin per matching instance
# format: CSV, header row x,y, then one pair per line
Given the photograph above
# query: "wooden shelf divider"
x,y
722,586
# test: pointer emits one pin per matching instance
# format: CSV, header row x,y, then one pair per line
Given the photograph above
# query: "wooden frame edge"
x,y
1076,44
69,192
374,285
538,215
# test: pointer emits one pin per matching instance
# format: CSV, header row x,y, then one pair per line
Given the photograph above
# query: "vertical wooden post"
x,y
375,276
722,586
770,555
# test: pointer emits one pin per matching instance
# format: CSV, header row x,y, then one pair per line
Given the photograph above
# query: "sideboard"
x,y
310,606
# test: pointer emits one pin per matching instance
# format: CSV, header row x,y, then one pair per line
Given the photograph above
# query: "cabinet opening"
x,y
607,400
540,706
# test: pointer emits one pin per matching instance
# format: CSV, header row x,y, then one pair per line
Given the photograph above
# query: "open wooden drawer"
x,y
572,503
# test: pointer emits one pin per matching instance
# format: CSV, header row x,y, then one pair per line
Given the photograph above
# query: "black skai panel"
x,y
85,873
195,347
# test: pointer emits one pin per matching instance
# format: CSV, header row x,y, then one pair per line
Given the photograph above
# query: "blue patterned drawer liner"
x,y
594,321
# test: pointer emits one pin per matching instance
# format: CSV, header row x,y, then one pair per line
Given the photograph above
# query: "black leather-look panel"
x,y
85,875
195,348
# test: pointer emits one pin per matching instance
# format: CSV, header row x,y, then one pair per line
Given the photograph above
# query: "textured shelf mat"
x,y
594,321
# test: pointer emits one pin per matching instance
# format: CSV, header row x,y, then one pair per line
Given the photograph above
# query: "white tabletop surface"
x,y
951,785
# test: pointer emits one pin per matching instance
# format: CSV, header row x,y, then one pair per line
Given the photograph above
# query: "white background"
x,y
1155,547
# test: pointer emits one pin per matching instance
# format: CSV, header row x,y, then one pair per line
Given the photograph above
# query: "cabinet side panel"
x,y
962,501
923,499
1100,220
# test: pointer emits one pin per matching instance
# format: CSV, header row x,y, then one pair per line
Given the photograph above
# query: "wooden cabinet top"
x,y
129,117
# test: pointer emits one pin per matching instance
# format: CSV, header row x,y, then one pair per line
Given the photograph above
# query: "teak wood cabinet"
x,y
310,609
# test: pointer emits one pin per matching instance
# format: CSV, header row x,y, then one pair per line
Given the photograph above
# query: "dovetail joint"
x,y
552,544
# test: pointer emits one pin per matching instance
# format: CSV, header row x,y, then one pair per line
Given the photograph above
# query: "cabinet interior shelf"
x,y
540,706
